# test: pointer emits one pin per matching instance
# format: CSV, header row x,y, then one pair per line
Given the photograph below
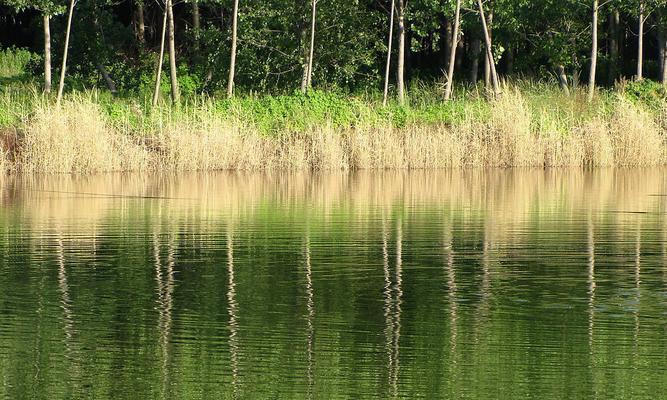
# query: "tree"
x,y
141,24
452,53
175,92
594,51
232,62
48,8
47,52
389,47
640,45
644,9
308,73
158,74
613,39
475,50
488,76
401,51
196,21
489,50
63,68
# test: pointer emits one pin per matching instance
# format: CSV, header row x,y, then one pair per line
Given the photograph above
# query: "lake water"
x,y
476,284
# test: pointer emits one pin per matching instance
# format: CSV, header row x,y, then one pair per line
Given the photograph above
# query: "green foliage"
x,y
292,113
15,63
647,92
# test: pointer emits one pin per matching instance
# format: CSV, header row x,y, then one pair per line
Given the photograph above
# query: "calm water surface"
x,y
481,284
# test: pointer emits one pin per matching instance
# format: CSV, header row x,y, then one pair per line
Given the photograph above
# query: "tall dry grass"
x,y
4,162
75,138
79,138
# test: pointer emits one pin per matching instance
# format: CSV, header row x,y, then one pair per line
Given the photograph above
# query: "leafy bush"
x,y
15,63
647,92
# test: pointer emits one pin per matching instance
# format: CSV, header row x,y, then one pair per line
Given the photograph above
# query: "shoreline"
x,y
516,130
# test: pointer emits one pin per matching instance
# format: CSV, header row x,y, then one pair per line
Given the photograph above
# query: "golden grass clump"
x,y
208,145
597,143
4,162
507,139
636,138
75,138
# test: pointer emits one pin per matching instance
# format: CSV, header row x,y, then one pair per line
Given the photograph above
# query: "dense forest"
x,y
280,46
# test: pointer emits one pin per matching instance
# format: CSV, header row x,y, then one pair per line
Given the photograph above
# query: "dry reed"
x,y
79,138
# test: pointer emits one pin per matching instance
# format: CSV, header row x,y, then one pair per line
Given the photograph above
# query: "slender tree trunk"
x,y
401,52
489,51
63,68
47,53
487,63
232,60
311,53
452,56
385,93
460,49
614,29
509,60
663,56
594,52
446,47
303,33
475,51
562,79
158,73
640,52
408,49
141,25
196,21
175,92
662,44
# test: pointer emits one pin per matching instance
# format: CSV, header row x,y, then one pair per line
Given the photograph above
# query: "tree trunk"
x,y
158,73
63,68
594,52
111,85
487,62
401,52
446,47
452,56
408,49
562,79
196,21
489,51
509,60
614,24
47,54
311,53
303,32
475,51
640,52
663,78
662,44
232,60
141,25
175,92
460,49
385,93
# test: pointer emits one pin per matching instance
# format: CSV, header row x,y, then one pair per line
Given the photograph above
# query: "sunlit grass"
x,y
531,124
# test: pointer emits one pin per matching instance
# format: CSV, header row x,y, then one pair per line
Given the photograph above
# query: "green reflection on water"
x,y
478,284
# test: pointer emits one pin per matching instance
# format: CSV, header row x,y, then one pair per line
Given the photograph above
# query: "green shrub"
x,y
15,62
647,92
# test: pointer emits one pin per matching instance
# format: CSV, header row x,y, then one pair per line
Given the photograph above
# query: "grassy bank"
x,y
531,124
